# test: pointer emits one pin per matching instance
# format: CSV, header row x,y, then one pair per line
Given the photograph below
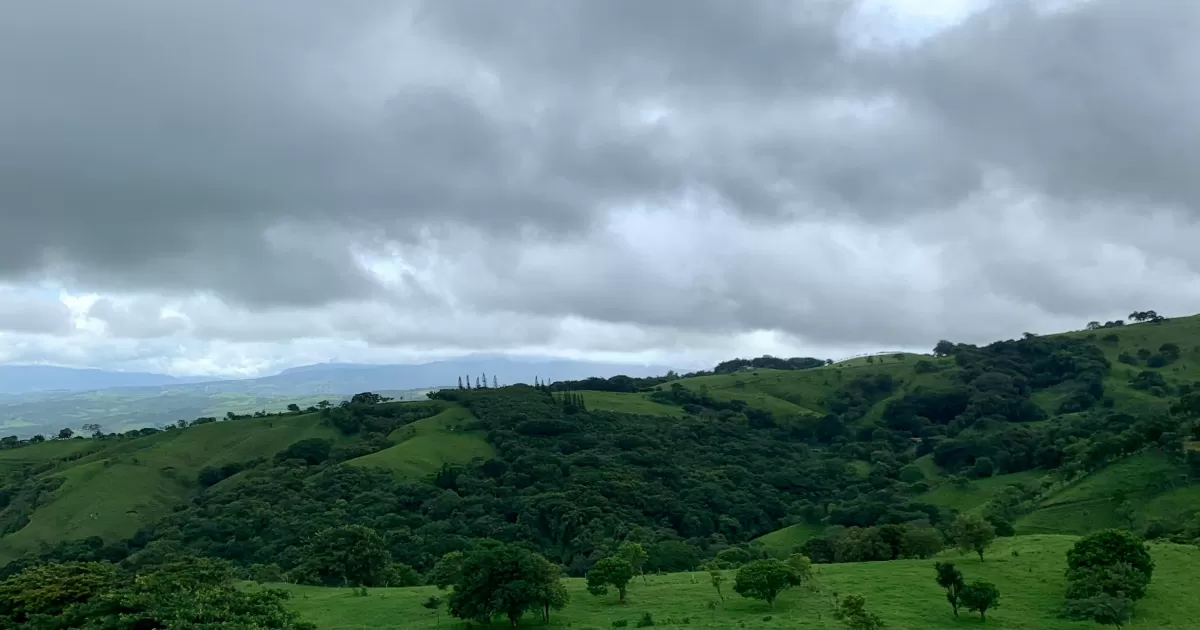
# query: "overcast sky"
x,y
230,187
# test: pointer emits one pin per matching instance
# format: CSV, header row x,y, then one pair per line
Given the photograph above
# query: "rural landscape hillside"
x,y
868,468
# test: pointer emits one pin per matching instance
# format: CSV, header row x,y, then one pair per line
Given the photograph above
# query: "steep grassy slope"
x,y
1150,481
122,485
423,446
903,593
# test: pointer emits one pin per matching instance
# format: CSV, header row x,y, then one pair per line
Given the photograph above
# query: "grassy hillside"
x,y
425,445
621,402
804,395
1146,338
1150,481
121,485
902,592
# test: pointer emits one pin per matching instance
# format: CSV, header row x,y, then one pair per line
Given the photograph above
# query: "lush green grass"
x,y
978,493
931,470
423,446
791,536
1150,480
127,483
903,593
628,403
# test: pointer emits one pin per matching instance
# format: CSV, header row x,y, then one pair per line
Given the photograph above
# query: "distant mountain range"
x,y
21,379
331,378
43,399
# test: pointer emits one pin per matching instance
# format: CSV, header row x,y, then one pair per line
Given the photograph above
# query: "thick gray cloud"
x,y
22,312
591,176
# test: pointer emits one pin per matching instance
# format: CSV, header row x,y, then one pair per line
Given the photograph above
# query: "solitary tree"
x,y
765,579
951,579
717,580
611,571
1108,548
500,579
635,554
66,434
972,533
979,596
294,408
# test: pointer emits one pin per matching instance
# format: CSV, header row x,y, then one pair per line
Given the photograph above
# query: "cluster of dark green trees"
x,y
197,593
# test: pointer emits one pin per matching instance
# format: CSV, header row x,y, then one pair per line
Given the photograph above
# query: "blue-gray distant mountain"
x,y
21,379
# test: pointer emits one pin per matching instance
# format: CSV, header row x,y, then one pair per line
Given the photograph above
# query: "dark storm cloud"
x,y
153,146
248,149
1095,102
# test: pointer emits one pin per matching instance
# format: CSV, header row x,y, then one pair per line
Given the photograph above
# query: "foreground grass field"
x,y
903,593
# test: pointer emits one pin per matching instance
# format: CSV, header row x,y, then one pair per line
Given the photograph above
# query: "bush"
x,y
646,621
620,623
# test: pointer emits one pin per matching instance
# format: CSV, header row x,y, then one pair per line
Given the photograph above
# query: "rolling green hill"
x,y
120,486
112,487
421,448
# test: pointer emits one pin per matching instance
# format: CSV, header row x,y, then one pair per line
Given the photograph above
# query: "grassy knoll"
x,y
791,536
621,402
903,593
423,446
125,484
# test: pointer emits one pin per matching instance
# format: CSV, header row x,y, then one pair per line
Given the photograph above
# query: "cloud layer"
x,y
219,188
